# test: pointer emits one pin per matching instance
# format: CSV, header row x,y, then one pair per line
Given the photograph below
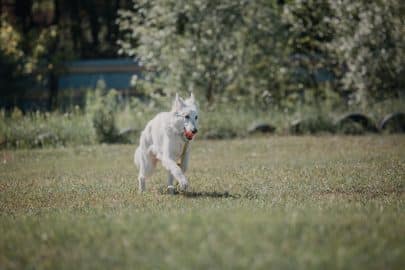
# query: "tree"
x,y
51,32
286,51
369,40
311,67
214,48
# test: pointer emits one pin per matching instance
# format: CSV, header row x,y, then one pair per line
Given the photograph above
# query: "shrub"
x,y
108,120
44,129
311,125
101,106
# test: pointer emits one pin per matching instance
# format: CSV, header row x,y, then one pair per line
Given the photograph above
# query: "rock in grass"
x,y
393,123
356,123
261,128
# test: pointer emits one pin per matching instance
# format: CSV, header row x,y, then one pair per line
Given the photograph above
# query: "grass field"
x,y
266,203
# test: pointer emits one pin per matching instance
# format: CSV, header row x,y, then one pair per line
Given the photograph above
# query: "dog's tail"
x,y
140,149
137,156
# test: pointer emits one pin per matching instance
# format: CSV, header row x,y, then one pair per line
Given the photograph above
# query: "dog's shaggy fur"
x,y
167,138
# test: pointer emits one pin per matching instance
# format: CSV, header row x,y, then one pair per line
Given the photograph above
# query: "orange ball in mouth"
x,y
188,134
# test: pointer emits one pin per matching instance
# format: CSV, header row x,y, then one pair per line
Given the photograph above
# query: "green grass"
x,y
325,202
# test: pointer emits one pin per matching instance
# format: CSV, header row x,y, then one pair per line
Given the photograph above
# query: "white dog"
x,y
166,138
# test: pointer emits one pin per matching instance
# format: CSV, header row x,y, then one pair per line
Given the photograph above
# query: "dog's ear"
x,y
191,100
178,103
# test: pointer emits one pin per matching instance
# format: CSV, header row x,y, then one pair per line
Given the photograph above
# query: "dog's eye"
x,y
196,117
187,116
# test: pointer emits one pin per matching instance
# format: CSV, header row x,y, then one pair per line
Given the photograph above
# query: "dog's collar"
x,y
183,151
184,138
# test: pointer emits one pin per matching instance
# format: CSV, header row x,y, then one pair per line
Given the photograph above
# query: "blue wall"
x,y
116,73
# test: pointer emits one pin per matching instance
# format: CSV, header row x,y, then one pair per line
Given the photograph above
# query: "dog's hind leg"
x,y
145,170
153,151
146,163
140,164
141,183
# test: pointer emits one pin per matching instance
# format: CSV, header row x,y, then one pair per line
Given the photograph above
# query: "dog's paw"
x,y
171,190
141,189
183,185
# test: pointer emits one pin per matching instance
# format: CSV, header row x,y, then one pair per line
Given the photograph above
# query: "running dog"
x,y
166,138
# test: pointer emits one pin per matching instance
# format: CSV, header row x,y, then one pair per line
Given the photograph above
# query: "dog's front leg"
x,y
169,163
175,170
183,166
184,160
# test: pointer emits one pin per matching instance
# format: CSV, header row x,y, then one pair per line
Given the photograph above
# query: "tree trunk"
x,y
209,94
53,91
95,30
23,10
75,29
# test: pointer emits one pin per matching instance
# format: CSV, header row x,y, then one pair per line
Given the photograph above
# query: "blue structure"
x,y
84,74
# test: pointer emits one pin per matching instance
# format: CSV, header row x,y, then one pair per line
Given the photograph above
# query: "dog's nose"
x,y
194,131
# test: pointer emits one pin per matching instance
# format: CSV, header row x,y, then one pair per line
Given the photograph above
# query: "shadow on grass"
x,y
201,194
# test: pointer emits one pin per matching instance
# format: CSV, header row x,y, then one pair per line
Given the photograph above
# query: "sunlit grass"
x,y
278,202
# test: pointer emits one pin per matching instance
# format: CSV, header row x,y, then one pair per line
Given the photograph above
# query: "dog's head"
x,y
186,116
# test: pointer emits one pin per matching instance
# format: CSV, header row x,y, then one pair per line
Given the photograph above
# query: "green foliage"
x,y
107,118
351,127
37,37
101,106
286,51
202,46
44,129
28,59
12,78
368,42
313,125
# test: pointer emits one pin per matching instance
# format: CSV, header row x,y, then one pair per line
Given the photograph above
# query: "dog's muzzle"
x,y
189,134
